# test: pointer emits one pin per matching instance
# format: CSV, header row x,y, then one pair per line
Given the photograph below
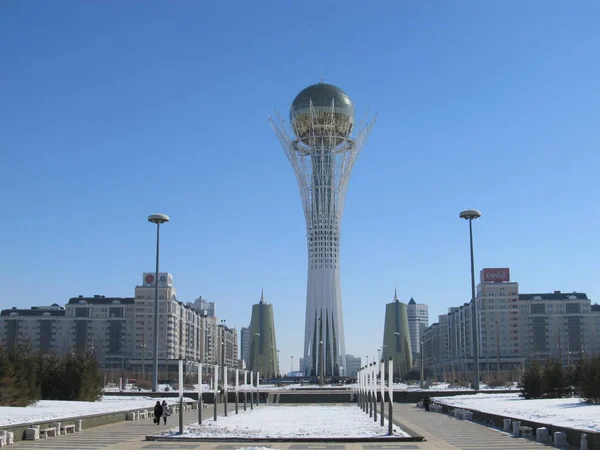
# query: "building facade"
x,y
418,321
514,329
43,328
322,152
120,330
263,345
245,341
396,338
353,364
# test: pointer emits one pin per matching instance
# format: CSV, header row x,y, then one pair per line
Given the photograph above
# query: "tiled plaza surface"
x,y
440,432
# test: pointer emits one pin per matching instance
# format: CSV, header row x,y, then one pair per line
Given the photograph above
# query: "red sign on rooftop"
x,y
495,275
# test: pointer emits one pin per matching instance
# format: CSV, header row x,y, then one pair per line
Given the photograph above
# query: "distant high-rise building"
x,y
353,364
245,341
204,307
396,337
418,321
263,346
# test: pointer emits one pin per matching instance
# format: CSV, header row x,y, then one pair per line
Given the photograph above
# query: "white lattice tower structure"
x,y
322,151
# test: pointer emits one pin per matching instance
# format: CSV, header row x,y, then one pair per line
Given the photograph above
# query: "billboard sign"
x,y
164,279
495,275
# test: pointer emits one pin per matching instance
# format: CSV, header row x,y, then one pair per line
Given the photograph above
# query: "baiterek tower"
x,y
322,148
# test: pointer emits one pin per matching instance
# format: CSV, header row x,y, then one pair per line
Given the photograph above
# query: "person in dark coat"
x,y
426,403
158,412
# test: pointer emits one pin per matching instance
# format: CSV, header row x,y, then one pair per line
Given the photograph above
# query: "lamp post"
x,y
470,215
292,358
158,219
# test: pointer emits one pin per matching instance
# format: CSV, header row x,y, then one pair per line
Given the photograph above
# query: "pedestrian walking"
x,y
158,412
166,411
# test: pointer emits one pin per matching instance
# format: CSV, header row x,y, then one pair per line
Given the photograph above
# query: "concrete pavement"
x,y
441,432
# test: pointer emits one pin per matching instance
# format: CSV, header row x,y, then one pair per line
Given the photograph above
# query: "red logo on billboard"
x,y
149,279
495,275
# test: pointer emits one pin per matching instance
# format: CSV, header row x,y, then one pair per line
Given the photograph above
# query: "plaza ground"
x,y
440,432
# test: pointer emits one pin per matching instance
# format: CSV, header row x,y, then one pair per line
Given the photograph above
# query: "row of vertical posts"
x,y
367,391
254,391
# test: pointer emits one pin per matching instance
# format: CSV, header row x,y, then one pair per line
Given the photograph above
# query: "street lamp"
x,y
470,215
278,369
157,219
292,364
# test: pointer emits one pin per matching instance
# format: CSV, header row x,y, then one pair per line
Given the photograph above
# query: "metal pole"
x,y
497,351
474,312
216,389
369,381
245,388
382,384
391,397
374,389
155,356
322,363
422,366
200,405
180,396
251,389
225,392
257,388
237,378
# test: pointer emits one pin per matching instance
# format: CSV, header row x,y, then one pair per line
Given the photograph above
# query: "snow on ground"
x,y
47,410
562,412
290,422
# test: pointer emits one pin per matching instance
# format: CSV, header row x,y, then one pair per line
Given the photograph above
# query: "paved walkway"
x,y
440,431
445,432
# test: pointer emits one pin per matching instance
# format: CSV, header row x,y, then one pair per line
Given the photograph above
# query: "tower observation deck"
x,y
322,150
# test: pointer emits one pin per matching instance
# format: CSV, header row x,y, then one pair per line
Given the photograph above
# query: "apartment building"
x,y
120,330
514,328
353,364
418,321
41,327
102,325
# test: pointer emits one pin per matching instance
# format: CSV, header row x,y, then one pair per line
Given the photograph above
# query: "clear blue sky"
x,y
113,110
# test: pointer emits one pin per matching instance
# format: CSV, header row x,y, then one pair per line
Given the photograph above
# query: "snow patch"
x,y
561,412
274,422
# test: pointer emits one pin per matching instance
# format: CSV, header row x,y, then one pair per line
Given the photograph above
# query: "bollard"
x,y
542,434
507,425
516,424
583,445
560,438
